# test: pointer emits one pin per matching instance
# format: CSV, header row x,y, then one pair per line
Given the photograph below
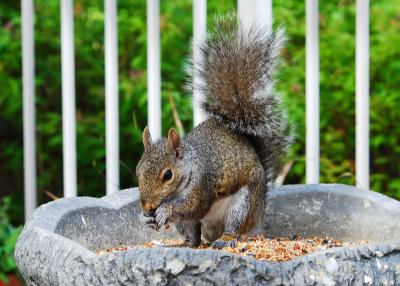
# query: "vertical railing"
x,y
112,113
312,92
199,35
362,94
259,11
28,91
153,68
68,98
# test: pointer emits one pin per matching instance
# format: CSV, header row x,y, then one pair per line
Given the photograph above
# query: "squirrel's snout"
x,y
147,207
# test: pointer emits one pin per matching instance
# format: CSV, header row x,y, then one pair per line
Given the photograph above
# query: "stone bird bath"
x,y
57,244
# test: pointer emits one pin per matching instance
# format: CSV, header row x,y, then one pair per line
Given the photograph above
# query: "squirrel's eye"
x,y
167,175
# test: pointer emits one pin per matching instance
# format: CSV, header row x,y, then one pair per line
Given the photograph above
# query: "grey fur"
x,y
222,167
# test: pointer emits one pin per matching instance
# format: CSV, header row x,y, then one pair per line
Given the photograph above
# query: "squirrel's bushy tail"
x,y
236,76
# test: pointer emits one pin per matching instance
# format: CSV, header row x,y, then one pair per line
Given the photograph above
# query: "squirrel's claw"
x,y
163,214
221,243
227,240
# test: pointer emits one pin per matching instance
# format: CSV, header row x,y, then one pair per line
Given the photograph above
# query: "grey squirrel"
x,y
213,181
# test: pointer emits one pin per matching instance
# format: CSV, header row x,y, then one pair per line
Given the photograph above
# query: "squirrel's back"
x,y
236,71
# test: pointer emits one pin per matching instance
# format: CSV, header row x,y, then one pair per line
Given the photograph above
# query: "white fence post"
x,y
259,11
28,90
199,35
362,94
153,68
112,114
68,98
312,92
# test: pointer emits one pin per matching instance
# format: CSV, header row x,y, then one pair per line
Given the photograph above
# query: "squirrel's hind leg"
x,y
244,211
236,214
191,231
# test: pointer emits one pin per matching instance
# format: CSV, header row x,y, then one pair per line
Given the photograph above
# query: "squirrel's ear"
x,y
147,141
174,143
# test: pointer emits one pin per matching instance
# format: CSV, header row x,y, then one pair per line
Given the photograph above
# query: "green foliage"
x,y
337,90
337,58
8,237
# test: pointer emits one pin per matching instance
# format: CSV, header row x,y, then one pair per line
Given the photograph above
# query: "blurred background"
x,y
337,91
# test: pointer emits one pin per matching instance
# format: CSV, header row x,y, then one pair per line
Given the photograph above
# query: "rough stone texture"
x,y
56,244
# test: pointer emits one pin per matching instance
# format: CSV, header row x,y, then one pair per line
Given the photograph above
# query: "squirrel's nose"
x,y
144,205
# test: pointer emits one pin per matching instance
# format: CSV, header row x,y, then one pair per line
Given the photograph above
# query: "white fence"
x,y
68,98
248,10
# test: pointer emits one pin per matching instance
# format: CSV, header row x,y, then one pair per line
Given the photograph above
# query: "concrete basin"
x,y
57,244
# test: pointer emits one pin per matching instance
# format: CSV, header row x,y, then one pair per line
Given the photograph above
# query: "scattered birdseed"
x,y
261,247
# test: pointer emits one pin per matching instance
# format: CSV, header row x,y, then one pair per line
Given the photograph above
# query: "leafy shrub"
x,y
337,90
8,237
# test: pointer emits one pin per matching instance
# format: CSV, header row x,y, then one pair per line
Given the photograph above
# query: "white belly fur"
x,y
219,209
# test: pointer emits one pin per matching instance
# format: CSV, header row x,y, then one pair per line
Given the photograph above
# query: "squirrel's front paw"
x,y
163,214
149,221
